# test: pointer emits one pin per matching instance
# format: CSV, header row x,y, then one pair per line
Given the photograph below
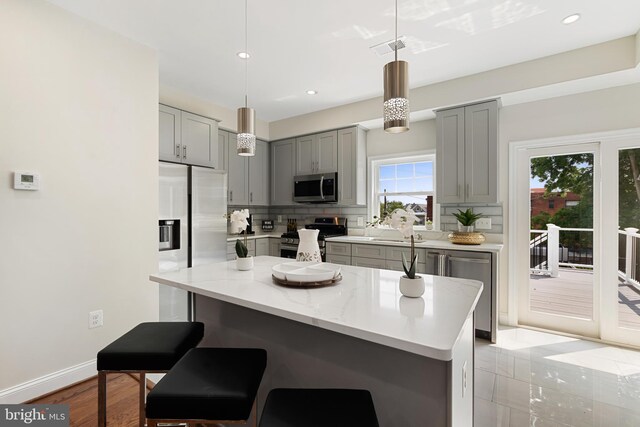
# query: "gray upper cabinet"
x,y
248,175
169,134
237,171
283,168
352,167
467,154
259,175
317,153
188,138
223,146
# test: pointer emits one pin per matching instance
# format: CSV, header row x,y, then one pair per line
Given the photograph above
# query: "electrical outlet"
x,y
279,218
360,221
95,319
483,224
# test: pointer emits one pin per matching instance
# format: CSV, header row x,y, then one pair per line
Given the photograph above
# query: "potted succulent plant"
x,y
411,285
466,225
239,223
466,220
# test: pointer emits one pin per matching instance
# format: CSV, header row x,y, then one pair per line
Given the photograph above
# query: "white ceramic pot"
x,y
244,264
412,288
308,249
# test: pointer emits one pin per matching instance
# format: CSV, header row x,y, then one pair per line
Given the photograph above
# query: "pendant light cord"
x,y
246,63
396,41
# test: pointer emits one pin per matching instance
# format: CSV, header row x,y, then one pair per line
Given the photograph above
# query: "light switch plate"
x,y
483,224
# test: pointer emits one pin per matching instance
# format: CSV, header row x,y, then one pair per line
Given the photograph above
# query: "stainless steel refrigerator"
x,y
192,228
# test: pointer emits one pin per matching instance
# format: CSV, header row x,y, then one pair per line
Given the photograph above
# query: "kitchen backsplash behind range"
x,y
304,215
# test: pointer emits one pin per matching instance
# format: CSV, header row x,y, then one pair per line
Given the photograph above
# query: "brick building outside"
x,y
553,203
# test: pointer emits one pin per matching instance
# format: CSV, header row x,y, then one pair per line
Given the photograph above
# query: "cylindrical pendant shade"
x,y
246,132
396,96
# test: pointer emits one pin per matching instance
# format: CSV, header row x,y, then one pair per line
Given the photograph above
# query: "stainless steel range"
x,y
328,226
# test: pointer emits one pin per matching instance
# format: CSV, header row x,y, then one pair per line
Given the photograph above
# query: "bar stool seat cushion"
x,y
289,407
152,346
209,384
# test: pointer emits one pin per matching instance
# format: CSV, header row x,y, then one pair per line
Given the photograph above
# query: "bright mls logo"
x,y
34,415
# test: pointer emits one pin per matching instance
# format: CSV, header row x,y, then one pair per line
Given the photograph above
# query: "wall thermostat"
x,y
26,181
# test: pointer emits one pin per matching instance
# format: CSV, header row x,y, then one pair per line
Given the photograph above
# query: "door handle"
x,y
472,260
184,151
321,183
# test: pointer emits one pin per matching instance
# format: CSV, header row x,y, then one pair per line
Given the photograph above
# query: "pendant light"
x,y
246,116
396,91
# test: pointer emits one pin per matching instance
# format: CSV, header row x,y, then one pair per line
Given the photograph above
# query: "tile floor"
x,y
532,378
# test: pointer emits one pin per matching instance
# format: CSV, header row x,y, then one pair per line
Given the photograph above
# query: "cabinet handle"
x,y
184,151
177,151
231,195
251,197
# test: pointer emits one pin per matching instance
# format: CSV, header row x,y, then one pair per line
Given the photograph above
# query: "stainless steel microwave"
x,y
318,188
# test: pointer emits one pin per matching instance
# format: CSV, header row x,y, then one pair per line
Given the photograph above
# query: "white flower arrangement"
x,y
403,220
239,223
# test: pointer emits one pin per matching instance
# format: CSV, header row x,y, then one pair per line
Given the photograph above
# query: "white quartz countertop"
x,y
431,244
366,304
263,235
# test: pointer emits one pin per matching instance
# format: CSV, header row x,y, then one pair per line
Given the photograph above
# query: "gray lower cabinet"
x,y
467,154
340,249
231,248
397,266
368,251
283,167
188,138
369,262
470,265
274,246
262,246
339,259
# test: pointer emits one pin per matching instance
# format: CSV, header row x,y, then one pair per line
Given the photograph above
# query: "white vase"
x,y
412,288
244,264
308,249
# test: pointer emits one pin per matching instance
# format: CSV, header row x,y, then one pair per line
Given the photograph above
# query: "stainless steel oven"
x,y
318,188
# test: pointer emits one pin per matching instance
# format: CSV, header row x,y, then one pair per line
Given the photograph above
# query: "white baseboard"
x,y
46,384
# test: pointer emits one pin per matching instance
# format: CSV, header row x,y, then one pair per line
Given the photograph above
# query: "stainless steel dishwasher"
x,y
469,265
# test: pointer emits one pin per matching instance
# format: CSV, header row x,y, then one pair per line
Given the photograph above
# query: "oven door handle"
x,y
321,185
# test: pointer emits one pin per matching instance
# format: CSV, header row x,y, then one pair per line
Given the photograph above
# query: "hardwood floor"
x,y
82,398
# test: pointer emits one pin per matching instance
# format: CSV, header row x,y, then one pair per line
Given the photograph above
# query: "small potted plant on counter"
x,y
466,224
411,285
239,223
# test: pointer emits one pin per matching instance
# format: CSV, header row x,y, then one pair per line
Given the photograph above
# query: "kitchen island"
x,y
414,355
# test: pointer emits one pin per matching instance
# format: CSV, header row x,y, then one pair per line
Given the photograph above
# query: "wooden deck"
x,y
571,294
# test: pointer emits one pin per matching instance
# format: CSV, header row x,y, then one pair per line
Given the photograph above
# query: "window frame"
x,y
409,157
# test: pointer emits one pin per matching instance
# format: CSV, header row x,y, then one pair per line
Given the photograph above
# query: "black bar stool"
x,y
152,347
208,385
290,407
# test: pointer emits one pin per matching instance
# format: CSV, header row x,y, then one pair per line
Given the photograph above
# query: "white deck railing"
x,y
549,256
629,275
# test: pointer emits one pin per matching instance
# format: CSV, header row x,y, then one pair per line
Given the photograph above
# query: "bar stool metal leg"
x,y
141,399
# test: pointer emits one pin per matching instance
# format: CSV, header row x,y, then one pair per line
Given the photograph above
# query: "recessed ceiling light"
x,y
571,19
312,92
244,55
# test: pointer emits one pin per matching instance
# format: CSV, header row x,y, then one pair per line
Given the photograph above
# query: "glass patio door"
x,y
621,241
558,238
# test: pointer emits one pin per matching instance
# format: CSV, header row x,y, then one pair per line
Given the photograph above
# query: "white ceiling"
x,y
324,45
